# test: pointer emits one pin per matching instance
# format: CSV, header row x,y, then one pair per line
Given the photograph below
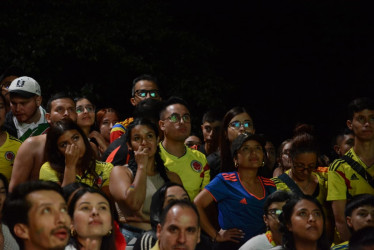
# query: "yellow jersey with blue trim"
x,y
192,168
344,182
102,169
8,152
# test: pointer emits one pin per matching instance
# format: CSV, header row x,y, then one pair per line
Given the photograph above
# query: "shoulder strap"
x,y
359,169
291,184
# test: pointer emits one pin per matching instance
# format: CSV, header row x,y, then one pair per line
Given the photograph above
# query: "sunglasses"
x,y
142,93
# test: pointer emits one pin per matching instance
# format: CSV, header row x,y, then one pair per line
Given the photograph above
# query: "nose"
x,y
61,217
111,125
182,237
94,211
370,217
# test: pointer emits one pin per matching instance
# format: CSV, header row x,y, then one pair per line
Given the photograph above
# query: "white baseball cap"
x,y
25,86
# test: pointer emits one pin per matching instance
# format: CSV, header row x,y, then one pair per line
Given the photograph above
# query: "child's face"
x,y
361,217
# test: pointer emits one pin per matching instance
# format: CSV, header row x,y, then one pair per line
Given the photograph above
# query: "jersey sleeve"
x,y
216,188
206,175
47,173
336,186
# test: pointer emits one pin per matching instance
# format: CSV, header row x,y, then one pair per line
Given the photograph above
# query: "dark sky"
x,y
291,62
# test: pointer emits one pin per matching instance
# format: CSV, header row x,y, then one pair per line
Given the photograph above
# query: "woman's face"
x,y
109,119
86,113
306,221
286,159
174,193
303,165
250,155
71,140
92,217
144,137
271,218
2,194
243,124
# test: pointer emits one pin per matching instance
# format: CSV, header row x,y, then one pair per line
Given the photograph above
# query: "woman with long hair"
x,y
133,185
303,225
70,158
239,195
92,220
105,119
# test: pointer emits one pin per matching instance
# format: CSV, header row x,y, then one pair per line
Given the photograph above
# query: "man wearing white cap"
x,y
27,117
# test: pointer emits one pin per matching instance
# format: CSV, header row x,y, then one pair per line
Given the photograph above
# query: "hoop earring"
x,y
236,165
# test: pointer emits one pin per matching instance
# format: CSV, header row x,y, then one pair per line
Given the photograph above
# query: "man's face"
x,y
62,109
361,217
144,89
211,132
176,122
49,222
24,109
362,125
347,142
180,231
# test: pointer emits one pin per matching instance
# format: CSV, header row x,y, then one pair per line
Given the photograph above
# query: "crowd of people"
x,y
74,177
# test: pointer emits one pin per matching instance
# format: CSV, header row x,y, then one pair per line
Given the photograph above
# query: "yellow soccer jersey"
x,y
192,168
321,197
344,182
8,152
102,169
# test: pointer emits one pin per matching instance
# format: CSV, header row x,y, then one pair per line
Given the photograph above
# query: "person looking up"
x,y
27,117
31,153
352,174
190,165
36,214
143,87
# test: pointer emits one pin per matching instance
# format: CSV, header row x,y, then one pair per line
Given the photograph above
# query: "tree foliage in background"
x,y
97,47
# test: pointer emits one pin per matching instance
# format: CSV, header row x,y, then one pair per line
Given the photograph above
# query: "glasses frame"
x,y
139,93
179,118
231,124
87,108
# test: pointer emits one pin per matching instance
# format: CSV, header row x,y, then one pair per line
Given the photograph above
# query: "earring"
x,y
236,164
72,232
263,163
109,233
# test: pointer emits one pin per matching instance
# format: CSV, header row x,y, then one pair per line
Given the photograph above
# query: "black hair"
x,y
160,167
172,100
358,105
16,206
358,201
304,141
143,77
57,159
181,203
212,115
158,199
108,241
277,196
59,95
227,164
12,71
148,108
361,239
285,220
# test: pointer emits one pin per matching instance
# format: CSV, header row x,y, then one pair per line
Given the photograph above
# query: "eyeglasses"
x,y
174,118
238,124
302,168
89,108
142,93
275,212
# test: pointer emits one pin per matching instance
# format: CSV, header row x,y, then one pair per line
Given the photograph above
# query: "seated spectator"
x,y
302,225
359,213
179,216
133,185
92,220
9,145
272,209
105,119
70,158
193,141
161,198
240,195
6,239
36,214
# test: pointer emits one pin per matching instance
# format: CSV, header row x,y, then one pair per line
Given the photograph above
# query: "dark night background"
x,y
286,61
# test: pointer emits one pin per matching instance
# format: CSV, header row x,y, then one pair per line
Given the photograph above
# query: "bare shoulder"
x,y
174,177
35,142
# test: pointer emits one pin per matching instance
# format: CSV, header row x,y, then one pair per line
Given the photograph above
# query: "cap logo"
x,y
20,83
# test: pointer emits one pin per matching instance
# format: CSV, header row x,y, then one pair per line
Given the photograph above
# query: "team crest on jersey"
x,y
9,156
196,166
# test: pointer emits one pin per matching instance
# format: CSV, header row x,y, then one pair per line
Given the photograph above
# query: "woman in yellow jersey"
x,y
70,158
